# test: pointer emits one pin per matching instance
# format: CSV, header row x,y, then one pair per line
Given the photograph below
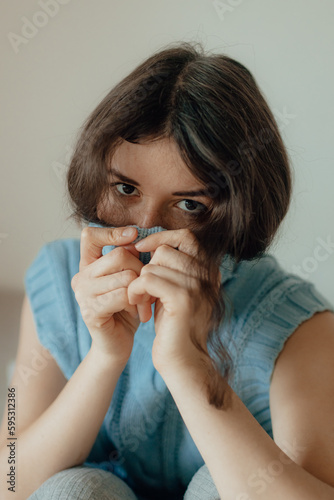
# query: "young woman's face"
x,y
150,186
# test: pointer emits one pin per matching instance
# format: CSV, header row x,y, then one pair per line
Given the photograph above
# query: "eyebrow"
x,y
124,178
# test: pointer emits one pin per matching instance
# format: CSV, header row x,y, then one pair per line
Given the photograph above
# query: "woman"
x,y
225,390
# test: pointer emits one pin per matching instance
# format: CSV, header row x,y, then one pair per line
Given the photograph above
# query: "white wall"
x,y
53,80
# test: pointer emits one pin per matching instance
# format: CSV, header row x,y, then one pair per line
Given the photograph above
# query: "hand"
x,y
172,279
100,289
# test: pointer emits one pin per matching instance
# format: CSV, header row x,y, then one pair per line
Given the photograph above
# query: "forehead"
x,y
159,158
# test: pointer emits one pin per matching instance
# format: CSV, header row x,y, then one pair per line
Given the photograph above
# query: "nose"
x,y
148,218
149,213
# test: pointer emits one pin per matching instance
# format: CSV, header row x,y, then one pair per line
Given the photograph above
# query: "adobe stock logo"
x,y
321,253
39,19
225,7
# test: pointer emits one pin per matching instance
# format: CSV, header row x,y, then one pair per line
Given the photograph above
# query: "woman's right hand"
x,y
101,290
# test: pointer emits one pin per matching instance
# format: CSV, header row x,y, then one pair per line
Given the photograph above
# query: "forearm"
x,y
64,434
235,447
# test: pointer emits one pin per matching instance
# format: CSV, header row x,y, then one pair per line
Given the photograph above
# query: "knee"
x,y
83,483
201,486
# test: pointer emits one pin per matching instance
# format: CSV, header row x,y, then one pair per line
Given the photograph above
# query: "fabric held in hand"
x,y
144,257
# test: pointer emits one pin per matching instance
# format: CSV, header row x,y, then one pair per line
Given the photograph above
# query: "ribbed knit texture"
x,y
144,257
155,451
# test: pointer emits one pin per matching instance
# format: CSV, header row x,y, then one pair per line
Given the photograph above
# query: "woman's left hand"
x,y
179,305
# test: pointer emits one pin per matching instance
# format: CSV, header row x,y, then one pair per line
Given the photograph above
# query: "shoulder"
x,y
262,289
269,304
309,350
301,395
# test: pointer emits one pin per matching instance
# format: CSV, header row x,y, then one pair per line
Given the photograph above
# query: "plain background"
x,y
56,74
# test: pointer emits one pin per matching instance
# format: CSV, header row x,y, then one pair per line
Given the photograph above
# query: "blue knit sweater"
x,y
143,438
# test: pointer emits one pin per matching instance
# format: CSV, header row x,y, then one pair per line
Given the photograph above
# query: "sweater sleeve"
x,y
48,287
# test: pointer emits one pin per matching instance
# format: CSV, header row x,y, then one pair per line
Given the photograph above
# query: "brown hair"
x,y
211,106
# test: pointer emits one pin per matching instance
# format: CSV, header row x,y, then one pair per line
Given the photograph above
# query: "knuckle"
x,y
99,303
161,250
74,281
85,233
102,301
91,311
78,296
88,314
123,295
146,269
116,281
130,275
146,278
119,253
184,232
184,299
188,235
115,236
99,323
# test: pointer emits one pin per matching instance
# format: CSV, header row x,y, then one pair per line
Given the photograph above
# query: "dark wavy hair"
x,y
213,109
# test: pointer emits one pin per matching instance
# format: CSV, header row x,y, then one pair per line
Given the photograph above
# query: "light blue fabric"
x,y
144,257
155,452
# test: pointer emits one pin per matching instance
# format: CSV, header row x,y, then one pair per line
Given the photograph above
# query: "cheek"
x,y
112,212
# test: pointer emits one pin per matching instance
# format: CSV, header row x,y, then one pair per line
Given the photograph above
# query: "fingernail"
x,y
129,231
140,244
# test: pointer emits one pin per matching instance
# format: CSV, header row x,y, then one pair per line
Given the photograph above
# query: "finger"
x,y
180,278
117,260
170,258
132,310
144,311
182,239
142,299
143,303
105,305
156,286
105,284
131,249
93,239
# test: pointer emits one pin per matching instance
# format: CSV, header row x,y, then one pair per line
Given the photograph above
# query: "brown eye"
x,y
125,189
192,206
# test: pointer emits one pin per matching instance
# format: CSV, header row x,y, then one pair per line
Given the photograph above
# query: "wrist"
x,y
197,365
201,378
106,361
